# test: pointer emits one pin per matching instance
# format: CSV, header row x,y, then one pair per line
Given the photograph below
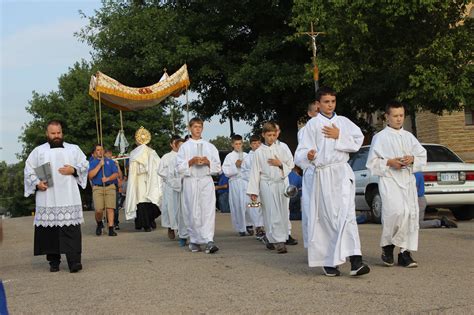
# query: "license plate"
x,y
449,177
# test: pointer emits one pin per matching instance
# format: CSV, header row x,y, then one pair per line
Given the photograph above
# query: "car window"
x,y
360,159
437,153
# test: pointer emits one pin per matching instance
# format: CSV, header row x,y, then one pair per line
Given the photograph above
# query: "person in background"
x,y
434,223
222,190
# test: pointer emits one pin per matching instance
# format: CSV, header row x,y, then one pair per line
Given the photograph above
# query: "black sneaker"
x,y
405,260
331,271
211,248
267,243
117,227
358,268
98,230
250,230
448,223
387,255
281,248
291,241
112,232
242,234
54,268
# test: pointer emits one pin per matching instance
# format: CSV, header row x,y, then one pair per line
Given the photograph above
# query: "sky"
x,y
37,46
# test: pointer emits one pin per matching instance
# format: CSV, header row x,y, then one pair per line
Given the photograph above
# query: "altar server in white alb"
x,y
232,168
308,173
197,161
58,214
255,213
270,168
395,154
170,201
290,240
144,184
332,228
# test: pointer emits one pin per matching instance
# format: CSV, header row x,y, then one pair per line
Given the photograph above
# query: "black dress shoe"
x,y
54,268
291,241
75,268
147,229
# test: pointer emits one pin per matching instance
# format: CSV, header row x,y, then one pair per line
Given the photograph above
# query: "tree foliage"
x,y
420,52
11,190
238,56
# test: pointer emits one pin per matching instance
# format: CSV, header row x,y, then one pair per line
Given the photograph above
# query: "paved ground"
x,y
140,272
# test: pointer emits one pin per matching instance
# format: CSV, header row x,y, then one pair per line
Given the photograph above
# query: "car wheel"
x,y
376,206
463,213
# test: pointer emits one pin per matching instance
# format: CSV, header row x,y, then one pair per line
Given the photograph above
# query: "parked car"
x,y
449,183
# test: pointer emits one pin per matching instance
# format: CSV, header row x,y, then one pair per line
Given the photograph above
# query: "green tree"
x,y
11,190
238,54
420,52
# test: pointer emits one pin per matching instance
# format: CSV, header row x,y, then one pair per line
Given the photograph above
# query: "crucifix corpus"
x,y
313,36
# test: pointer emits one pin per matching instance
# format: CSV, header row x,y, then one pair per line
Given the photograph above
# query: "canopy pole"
x,y
100,123
96,120
121,120
187,109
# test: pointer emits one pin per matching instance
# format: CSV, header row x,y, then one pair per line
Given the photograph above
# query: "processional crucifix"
x,y
313,36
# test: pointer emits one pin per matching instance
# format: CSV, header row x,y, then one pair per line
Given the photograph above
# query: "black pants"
x,y
147,212
55,240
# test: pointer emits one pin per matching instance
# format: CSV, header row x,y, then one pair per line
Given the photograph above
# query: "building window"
x,y
469,116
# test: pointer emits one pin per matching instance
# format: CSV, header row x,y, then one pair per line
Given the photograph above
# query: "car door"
x,y
362,177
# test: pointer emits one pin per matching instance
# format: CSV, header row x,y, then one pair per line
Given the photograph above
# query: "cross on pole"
x,y
313,36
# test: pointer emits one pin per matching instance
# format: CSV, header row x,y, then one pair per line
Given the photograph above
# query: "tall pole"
x,y
312,34
231,122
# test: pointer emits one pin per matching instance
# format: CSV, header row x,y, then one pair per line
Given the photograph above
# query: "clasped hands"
x,y
400,162
199,160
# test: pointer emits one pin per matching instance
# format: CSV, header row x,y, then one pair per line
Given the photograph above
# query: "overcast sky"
x,y
37,46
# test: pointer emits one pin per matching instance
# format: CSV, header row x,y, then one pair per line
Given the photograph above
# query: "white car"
x,y
449,183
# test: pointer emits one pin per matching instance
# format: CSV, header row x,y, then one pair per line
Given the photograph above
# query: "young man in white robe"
x,y
332,228
395,154
308,173
290,240
170,201
237,188
144,191
268,181
197,161
255,211
58,214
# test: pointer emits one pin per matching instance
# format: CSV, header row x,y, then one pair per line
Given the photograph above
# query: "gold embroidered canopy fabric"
x,y
116,95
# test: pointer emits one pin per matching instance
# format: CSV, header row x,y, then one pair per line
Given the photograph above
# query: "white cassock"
x,y
269,183
287,180
397,188
61,204
255,213
307,189
199,198
332,226
144,183
237,191
169,201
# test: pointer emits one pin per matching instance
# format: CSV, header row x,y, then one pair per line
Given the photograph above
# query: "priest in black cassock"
x,y
58,214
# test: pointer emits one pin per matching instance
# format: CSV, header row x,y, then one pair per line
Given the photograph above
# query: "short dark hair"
x,y
236,137
325,90
54,122
196,120
254,138
94,147
310,105
393,104
174,138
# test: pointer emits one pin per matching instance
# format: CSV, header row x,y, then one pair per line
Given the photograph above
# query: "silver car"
x,y
449,183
